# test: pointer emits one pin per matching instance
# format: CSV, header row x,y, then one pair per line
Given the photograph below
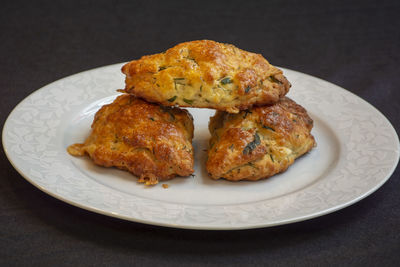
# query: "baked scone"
x,y
205,74
152,142
259,142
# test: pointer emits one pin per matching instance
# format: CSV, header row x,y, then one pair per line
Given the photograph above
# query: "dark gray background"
x,y
354,44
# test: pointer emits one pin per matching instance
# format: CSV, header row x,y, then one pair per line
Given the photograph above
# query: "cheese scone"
x,y
259,142
205,74
152,142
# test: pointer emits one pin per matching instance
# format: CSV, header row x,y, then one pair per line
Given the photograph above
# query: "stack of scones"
x,y
256,131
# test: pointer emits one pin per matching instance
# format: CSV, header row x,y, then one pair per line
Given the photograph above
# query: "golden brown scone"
x,y
150,141
206,74
259,142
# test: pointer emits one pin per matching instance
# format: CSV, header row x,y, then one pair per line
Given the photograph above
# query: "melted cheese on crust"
x,y
150,141
259,142
206,74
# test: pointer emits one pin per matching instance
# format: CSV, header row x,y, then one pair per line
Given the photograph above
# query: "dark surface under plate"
x,y
352,44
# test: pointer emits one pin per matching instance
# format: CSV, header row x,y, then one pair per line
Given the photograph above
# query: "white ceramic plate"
x,y
357,151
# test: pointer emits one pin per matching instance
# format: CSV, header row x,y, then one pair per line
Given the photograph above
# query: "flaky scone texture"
x,y
152,142
205,74
259,142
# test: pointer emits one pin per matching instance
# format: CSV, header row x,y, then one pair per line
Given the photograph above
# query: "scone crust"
x,y
259,142
206,74
152,142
